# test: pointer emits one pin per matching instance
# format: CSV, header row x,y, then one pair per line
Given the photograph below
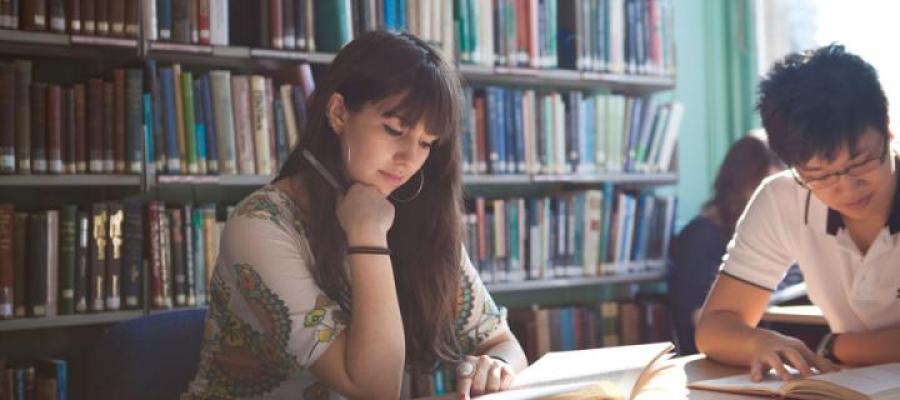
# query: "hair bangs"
x,y
427,98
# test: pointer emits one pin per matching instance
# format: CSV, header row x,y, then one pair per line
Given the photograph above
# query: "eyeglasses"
x,y
856,170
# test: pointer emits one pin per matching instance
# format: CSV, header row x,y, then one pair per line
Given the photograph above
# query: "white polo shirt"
x,y
784,223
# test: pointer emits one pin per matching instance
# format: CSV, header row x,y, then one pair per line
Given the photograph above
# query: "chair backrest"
x,y
150,357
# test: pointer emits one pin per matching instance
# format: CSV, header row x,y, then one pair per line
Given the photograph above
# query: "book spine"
x,y
81,133
119,121
88,19
54,130
287,24
39,128
181,21
173,160
7,118
199,127
95,126
67,243
20,263
154,88
114,257
244,133
57,15
37,260
260,124
101,16
220,82
7,260
199,254
51,247
109,127
165,256
134,132
280,134
176,232
219,28
82,256
300,24
206,105
22,108
150,20
34,15
98,252
154,254
132,18
69,129
132,255
190,134
164,18
190,286
194,17
183,150
203,21
210,246
117,17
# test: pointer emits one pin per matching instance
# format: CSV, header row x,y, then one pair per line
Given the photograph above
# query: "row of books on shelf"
x,y
577,234
523,131
181,122
577,327
618,36
44,379
110,256
115,18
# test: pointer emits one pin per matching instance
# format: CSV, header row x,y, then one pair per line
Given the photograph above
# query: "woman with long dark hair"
x,y
325,292
699,247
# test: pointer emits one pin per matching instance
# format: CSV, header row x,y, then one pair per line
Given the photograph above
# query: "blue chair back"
x,y
150,357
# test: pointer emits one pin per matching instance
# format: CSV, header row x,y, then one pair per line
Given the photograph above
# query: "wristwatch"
x,y
826,348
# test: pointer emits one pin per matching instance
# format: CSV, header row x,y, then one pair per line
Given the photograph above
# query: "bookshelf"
x,y
58,334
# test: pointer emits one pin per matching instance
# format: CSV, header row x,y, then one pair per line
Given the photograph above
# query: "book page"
x,y
563,372
769,386
870,381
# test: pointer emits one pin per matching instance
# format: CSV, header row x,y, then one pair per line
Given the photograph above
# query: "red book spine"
x,y
81,155
203,20
276,31
73,11
95,126
54,130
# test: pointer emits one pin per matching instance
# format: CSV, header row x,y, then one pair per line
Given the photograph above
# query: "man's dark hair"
x,y
813,103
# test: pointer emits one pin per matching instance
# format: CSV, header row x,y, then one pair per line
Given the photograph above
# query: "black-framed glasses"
x,y
856,170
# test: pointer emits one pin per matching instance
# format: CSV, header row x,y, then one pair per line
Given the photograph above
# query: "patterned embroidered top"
x,y
268,322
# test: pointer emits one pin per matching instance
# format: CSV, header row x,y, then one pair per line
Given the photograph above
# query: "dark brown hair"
x,y
748,161
425,239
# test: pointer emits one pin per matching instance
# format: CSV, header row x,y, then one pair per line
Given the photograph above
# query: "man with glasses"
x,y
836,212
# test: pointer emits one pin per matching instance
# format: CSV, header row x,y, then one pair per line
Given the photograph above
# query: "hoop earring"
x,y
418,191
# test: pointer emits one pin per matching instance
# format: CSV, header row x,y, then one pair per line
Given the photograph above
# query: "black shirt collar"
x,y
835,222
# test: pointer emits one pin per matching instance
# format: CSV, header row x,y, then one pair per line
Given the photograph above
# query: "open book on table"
x,y
878,382
627,372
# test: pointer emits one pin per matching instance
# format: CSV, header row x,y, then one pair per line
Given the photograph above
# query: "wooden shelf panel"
x,y
22,324
562,283
37,180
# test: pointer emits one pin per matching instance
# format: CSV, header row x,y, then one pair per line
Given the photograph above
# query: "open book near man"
x,y
878,382
627,372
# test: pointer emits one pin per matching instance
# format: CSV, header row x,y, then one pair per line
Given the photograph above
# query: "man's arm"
x,y
867,348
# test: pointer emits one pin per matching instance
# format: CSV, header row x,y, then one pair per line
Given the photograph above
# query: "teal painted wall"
x,y
716,78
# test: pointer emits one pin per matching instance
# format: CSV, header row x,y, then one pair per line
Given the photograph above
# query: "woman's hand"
x,y
772,350
483,374
365,215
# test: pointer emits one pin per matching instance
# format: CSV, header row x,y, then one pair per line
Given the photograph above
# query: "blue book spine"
x,y
62,380
519,131
567,334
578,251
390,15
401,14
167,80
511,135
148,130
199,127
438,378
164,19
589,153
492,134
212,150
501,102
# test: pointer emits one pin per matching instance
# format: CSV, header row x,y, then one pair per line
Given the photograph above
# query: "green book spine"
x,y
331,25
187,91
68,233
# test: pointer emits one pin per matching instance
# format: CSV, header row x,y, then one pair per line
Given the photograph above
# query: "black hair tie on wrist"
x,y
368,250
498,359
